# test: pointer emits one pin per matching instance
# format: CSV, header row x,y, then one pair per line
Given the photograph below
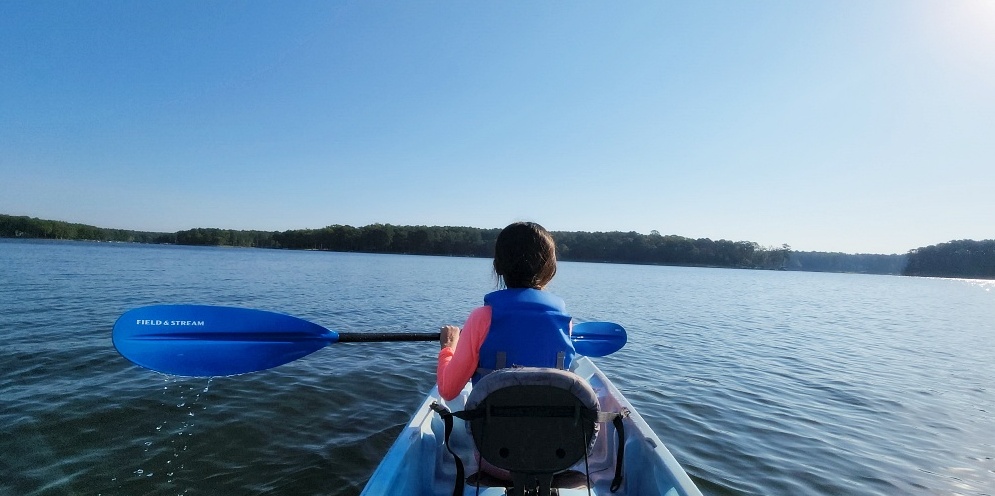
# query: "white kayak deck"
x,y
418,463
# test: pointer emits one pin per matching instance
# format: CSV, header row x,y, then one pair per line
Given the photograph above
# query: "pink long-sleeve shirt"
x,y
457,366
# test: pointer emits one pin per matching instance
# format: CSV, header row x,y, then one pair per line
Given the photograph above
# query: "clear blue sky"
x,y
853,126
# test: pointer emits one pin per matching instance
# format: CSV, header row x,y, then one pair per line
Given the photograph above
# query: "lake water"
x,y
781,383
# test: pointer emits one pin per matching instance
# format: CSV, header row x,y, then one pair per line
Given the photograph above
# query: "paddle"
x,y
201,340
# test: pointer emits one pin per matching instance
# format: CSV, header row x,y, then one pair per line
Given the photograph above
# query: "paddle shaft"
x,y
383,337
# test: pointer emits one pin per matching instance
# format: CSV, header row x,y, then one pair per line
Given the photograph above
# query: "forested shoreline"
x,y
964,258
29,227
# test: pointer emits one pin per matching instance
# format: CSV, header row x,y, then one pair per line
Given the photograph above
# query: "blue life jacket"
x,y
529,328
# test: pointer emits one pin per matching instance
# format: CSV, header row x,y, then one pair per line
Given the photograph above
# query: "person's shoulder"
x,y
480,313
478,324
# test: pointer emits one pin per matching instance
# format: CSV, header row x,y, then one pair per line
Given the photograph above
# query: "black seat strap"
x,y
616,420
620,454
447,418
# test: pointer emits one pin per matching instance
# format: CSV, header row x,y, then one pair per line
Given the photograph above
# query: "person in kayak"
x,y
520,325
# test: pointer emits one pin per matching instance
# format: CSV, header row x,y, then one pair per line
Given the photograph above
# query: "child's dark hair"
x,y
525,256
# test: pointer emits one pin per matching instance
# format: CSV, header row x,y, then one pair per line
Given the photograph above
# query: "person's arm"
x,y
458,363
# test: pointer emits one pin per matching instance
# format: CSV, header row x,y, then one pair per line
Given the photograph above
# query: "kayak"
x,y
418,463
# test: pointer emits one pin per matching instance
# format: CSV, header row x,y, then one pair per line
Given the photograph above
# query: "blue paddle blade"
x,y
200,340
596,339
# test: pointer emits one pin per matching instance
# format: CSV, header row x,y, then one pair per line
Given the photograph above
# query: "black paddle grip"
x,y
383,337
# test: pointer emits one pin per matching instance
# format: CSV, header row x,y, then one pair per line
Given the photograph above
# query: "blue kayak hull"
x,y
418,463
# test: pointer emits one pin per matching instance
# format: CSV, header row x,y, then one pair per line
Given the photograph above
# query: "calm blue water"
x,y
759,382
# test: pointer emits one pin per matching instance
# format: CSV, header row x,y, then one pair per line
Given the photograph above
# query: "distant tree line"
x,y
225,237
617,247
812,261
387,238
30,227
635,248
965,258
954,259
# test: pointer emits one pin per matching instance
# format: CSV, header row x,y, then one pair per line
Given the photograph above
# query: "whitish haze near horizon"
x,y
861,127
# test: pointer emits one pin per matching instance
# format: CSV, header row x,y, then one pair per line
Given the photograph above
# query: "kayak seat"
x,y
533,424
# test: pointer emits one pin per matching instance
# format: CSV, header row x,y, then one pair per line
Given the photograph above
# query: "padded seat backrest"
x,y
533,421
